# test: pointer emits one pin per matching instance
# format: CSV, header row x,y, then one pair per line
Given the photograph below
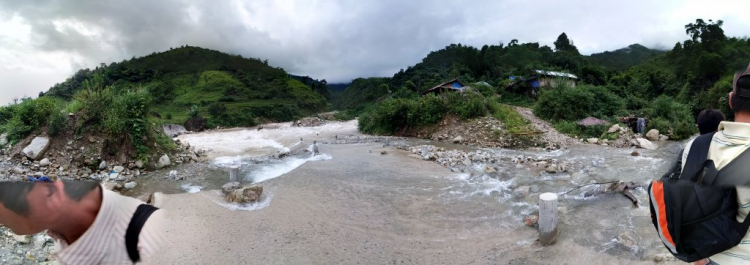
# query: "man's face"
x,y
37,217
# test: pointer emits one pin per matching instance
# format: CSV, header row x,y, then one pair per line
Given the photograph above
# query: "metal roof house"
x,y
541,78
453,86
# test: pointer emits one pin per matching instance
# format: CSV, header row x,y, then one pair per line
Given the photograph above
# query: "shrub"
x,y
58,122
569,104
666,114
467,105
386,118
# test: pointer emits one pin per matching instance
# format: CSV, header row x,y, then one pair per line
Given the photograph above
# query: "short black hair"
x,y
741,97
14,195
708,120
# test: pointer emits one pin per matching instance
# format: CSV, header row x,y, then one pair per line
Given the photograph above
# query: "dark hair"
x,y
13,195
741,97
708,120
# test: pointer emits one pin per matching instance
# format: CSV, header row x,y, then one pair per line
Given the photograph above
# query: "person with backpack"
x,y
700,213
90,224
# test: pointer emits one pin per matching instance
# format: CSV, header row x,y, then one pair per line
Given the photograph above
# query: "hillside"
x,y
235,86
624,58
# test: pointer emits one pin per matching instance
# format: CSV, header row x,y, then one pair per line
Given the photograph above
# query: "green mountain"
x,y
219,84
626,57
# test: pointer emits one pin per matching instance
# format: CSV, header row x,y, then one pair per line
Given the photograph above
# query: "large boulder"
x,y
458,139
615,128
3,139
653,135
163,162
244,195
230,187
196,124
644,143
35,150
173,129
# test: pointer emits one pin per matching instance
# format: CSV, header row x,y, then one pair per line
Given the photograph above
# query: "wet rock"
x,y
531,220
458,139
245,195
635,153
310,122
653,135
615,128
383,152
592,140
644,143
45,162
230,187
163,162
139,164
551,169
663,137
130,185
118,169
102,165
522,191
36,149
490,169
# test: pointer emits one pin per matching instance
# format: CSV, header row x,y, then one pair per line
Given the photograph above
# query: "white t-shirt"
x,y
104,241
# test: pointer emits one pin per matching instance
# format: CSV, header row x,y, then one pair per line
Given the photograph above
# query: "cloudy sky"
x,y
44,42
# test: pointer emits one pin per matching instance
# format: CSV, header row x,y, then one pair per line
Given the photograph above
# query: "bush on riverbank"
x,y
665,114
394,114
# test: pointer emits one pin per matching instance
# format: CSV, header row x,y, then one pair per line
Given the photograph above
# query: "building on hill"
x,y
450,86
541,78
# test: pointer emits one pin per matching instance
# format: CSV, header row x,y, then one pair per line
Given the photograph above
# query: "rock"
x,y
163,162
244,195
522,191
653,135
102,165
3,139
615,128
531,220
139,164
458,139
626,239
18,170
383,152
45,162
490,169
635,153
643,143
110,185
663,137
592,140
231,186
173,130
551,169
130,185
196,124
118,169
35,150
25,239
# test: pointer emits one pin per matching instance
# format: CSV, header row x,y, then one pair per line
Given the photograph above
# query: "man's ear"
x,y
54,194
730,100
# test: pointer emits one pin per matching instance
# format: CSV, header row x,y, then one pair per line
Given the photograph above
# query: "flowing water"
x,y
397,207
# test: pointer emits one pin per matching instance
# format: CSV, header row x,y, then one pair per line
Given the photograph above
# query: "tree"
x,y
563,44
709,35
217,109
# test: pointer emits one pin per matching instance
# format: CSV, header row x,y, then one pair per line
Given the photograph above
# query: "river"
x,y
353,205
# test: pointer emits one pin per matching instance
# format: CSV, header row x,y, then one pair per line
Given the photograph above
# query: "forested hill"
x,y
626,57
245,89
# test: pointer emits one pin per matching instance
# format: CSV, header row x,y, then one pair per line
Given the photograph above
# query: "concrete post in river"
x,y
234,173
547,218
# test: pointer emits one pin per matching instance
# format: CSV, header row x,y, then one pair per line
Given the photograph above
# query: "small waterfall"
x,y
641,125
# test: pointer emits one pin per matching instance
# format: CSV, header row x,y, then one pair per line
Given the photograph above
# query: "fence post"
x,y
547,218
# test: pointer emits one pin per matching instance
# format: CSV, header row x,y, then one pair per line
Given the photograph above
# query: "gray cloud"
x,y
333,40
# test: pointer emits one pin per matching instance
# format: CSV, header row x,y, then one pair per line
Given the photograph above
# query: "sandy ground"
x,y
342,211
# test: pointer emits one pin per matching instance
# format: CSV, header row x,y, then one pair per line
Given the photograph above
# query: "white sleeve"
x,y
685,153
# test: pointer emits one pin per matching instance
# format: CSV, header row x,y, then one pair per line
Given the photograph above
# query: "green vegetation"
x,y
513,121
695,75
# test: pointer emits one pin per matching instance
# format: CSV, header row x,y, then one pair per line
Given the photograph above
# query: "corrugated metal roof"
x,y
552,73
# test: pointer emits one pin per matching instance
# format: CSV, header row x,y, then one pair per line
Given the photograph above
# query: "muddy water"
x,y
353,205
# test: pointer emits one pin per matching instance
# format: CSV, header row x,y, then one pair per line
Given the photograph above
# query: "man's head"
x,y
29,208
739,98
708,120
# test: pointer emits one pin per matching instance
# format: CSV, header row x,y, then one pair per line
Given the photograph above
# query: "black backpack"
x,y
695,210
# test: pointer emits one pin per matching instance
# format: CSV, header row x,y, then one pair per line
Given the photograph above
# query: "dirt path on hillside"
x,y
550,134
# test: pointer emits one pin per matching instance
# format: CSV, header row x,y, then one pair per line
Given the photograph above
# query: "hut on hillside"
x,y
450,86
541,78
